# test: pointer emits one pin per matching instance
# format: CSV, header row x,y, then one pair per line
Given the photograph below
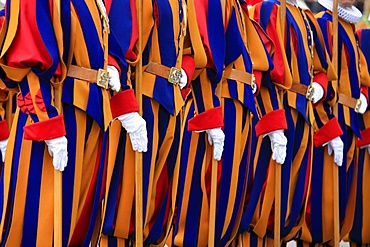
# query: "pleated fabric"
x,y
259,213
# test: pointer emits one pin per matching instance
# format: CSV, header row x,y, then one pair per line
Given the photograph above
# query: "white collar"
x,y
349,14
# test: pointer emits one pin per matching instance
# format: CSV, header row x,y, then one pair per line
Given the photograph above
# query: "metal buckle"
x,y
253,84
175,75
310,92
103,78
358,105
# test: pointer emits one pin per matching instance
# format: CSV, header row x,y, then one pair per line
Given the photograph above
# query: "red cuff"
x,y
322,79
45,130
113,62
327,132
209,119
365,91
258,76
123,102
188,65
4,133
274,120
365,138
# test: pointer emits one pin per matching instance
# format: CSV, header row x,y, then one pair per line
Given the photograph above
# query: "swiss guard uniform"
x,y
171,42
352,88
360,231
41,49
230,63
299,117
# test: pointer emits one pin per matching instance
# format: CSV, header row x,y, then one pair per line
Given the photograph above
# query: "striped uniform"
x,y
299,117
353,79
202,111
38,48
359,234
171,39
318,225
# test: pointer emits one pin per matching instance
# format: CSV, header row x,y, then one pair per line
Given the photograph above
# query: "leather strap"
x,y
299,88
82,73
158,69
239,75
348,101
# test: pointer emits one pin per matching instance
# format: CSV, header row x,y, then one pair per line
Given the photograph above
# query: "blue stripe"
x,y
69,172
31,208
14,173
113,197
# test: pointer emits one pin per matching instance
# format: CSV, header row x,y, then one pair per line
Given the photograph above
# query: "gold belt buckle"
x,y
358,105
310,92
175,75
103,78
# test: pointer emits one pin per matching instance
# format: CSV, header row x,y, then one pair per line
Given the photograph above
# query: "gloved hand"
x,y
278,145
363,105
3,145
216,137
114,80
318,92
336,145
135,126
57,148
366,146
183,79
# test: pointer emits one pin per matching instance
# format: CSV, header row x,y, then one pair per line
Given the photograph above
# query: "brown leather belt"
x,y
302,89
173,74
239,75
100,77
349,101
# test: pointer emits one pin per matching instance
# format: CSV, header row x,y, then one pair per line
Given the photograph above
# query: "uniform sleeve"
x,y
31,54
210,46
4,128
268,100
326,126
122,40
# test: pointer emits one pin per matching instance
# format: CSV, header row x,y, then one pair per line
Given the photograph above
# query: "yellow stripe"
x,y
80,140
126,201
16,228
8,169
44,231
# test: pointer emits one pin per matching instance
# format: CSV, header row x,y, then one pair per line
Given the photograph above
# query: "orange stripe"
x,y
44,231
16,228
80,143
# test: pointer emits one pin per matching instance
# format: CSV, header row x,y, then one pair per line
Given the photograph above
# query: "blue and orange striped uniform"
x,y
359,233
318,225
39,48
202,112
304,68
353,79
170,39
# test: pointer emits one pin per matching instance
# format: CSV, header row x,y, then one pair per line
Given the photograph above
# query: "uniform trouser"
x,y
319,220
259,214
158,178
27,216
192,218
360,231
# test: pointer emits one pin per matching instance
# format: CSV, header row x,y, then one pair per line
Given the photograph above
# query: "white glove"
x,y
183,79
114,80
278,145
57,148
336,145
363,105
254,85
216,137
135,126
366,146
3,145
318,92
